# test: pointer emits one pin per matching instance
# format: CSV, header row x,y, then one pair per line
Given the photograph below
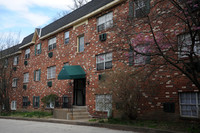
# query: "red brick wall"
x,y
170,83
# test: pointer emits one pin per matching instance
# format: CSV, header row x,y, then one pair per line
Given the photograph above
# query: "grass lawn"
x,y
186,126
35,114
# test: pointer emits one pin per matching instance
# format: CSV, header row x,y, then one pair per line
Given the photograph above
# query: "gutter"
x,y
26,45
115,2
18,52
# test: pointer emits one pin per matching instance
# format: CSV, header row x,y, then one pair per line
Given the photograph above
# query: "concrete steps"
x,y
77,113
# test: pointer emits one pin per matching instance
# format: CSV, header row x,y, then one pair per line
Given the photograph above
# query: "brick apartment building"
x,y
68,57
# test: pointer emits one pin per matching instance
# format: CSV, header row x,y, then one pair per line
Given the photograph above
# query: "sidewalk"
x,y
95,124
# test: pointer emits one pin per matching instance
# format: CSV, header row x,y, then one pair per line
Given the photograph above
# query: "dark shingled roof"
x,y
27,39
80,12
10,50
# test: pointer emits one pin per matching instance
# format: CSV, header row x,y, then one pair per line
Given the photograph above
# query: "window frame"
x,y
26,78
36,101
66,40
81,45
197,104
143,59
25,101
14,82
185,37
52,43
6,63
13,105
52,71
15,60
50,105
27,53
143,6
38,51
107,22
104,61
37,75
66,64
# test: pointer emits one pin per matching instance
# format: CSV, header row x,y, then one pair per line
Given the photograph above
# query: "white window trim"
x,y
51,105
26,78
197,106
105,20
27,53
13,105
37,75
38,49
51,72
186,46
15,60
14,82
104,60
79,43
52,43
67,32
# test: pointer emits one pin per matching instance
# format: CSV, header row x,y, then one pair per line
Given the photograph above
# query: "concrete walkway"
x,y
93,124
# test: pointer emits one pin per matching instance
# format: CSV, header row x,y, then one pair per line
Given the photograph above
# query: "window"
x,y
27,53
51,72
67,37
37,74
190,104
104,61
36,102
142,8
103,102
66,64
26,77
104,22
38,49
16,60
50,104
25,101
13,105
14,82
185,42
6,63
81,44
141,59
52,43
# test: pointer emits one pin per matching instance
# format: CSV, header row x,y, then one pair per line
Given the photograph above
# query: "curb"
x,y
101,125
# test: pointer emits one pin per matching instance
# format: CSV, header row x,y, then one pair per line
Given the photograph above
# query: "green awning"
x,y
71,72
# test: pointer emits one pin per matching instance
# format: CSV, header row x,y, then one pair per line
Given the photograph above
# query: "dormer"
x,y
31,39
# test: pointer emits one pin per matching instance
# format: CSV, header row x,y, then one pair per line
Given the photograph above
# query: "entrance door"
x,y
79,92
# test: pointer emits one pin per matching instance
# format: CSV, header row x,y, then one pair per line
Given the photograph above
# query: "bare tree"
x,y
6,43
151,31
76,4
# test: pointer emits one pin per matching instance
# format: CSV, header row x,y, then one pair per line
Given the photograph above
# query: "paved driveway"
x,y
18,126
